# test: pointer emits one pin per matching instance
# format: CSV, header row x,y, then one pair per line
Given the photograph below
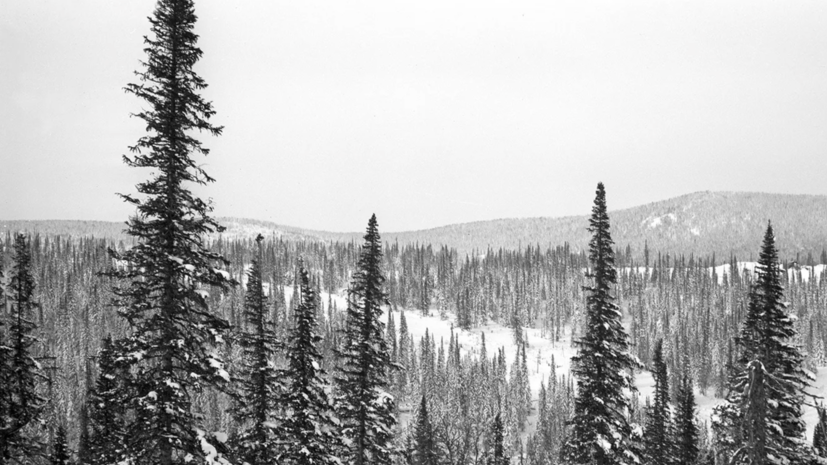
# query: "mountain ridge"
x,y
700,223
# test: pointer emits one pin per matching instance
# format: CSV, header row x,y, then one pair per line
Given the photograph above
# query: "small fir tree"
x,y
686,428
425,451
364,405
498,456
107,414
308,429
658,438
259,380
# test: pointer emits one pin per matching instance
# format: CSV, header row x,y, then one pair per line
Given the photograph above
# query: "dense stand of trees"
x,y
150,352
465,390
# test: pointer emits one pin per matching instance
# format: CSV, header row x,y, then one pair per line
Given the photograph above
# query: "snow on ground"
x,y
819,387
539,353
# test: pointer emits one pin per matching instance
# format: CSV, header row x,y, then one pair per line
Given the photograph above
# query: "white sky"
x,y
428,112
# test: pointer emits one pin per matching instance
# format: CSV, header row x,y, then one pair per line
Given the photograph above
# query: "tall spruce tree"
x,y
309,431
260,382
107,413
599,432
165,279
658,437
425,452
686,428
23,405
761,420
364,405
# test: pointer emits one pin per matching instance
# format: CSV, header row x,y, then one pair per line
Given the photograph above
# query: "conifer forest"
x,y
177,344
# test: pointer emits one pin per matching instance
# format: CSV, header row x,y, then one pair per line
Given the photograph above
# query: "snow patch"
x,y
218,367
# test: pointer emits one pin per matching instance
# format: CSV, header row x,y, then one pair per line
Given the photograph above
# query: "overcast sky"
x,y
426,113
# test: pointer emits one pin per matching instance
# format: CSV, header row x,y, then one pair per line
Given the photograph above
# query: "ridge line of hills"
x,y
701,223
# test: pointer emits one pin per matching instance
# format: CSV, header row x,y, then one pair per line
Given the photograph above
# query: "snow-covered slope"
x,y
540,352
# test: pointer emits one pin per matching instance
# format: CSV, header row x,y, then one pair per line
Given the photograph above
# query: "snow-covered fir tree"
x,y
424,446
107,414
164,281
497,454
364,405
686,427
19,440
259,382
761,420
308,430
599,432
657,440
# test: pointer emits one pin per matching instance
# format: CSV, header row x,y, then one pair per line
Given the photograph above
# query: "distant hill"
x,y
701,223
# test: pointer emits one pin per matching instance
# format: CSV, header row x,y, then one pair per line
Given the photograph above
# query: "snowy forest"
x,y
178,345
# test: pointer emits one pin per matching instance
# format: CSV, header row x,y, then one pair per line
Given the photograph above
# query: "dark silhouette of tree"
x,y
22,404
108,415
425,450
309,432
658,437
686,428
166,277
260,383
498,456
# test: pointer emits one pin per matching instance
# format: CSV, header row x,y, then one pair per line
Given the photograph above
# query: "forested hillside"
x,y
694,306
702,223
